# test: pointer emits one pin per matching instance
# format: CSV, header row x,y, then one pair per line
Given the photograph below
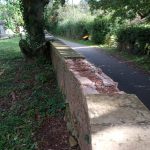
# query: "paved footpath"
x,y
130,79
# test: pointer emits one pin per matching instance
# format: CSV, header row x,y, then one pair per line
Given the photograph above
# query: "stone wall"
x,y
101,116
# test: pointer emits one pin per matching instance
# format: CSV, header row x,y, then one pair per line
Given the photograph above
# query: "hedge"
x,y
73,30
134,39
101,27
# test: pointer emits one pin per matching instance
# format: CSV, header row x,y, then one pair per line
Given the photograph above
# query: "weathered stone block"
x,y
119,122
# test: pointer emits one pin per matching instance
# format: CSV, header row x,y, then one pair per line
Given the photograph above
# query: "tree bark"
x,y
33,16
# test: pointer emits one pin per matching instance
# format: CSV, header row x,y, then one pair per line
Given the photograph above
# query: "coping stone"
x,y
118,122
65,51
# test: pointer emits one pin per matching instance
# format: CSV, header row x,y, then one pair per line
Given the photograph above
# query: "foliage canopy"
x,y
10,13
123,8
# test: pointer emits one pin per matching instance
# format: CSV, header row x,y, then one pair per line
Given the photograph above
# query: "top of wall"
x,y
65,51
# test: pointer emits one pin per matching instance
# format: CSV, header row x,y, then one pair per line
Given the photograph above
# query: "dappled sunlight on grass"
x,y
28,96
9,49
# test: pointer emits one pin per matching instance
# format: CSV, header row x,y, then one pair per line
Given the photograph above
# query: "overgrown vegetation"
x,y
100,29
124,10
69,22
134,39
10,13
28,96
119,24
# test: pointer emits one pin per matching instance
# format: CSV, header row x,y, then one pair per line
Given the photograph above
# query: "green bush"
x,y
89,27
101,28
71,29
134,39
69,22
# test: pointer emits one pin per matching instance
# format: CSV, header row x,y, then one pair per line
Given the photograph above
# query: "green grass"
x,y
28,95
142,62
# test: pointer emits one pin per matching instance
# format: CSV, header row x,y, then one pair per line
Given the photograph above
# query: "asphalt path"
x,y
129,79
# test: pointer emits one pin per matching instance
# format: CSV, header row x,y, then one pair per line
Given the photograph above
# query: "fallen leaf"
x,y
13,95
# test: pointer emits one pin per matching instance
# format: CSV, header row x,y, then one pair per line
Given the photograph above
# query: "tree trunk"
x,y
33,16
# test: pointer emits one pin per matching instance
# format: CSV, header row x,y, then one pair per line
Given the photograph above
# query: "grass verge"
x,y
140,61
28,97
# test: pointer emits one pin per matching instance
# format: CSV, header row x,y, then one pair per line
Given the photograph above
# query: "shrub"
x,y
134,39
72,29
89,26
110,40
100,30
79,29
70,22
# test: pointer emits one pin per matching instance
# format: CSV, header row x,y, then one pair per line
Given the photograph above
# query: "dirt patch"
x,y
53,135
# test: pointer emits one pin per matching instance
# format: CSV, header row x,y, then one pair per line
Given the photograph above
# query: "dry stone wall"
x,y
101,116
